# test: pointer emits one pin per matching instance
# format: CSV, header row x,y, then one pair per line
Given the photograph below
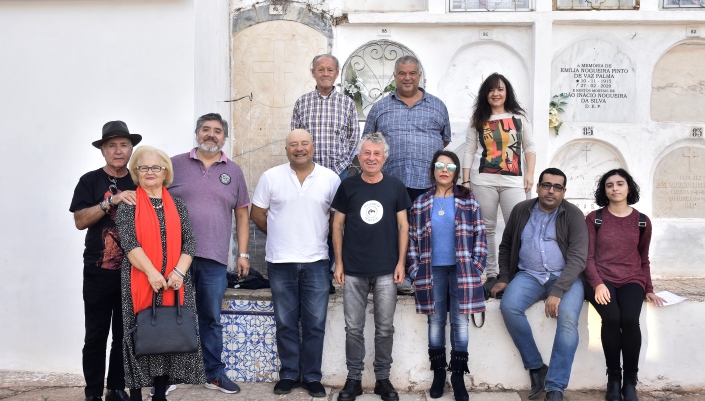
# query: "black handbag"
x,y
163,330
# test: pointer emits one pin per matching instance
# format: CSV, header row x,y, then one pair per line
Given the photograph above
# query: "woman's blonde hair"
x,y
149,150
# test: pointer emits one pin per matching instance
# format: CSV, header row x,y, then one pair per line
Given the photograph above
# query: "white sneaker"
x,y
168,390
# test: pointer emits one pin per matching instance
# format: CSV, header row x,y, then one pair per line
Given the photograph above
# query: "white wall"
x,y
66,68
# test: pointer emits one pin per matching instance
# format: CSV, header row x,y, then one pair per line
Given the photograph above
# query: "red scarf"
x,y
147,229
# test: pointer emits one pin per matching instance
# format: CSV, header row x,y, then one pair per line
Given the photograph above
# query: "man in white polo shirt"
x,y
292,206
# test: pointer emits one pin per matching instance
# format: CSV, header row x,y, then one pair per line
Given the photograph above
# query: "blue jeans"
x,y
445,282
210,281
524,291
384,300
300,292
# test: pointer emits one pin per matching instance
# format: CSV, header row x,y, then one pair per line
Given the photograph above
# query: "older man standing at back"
x,y
329,116
94,204
292,206
213,187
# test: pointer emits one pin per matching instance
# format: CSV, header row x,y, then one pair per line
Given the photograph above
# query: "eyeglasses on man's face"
x,y
450,166
155,169
556,187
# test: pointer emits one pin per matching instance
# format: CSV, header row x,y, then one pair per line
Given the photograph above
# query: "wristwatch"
x,y
244,255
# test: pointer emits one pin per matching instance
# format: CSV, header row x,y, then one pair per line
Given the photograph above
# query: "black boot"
x,y
614,385
160,385
438,366
135,394
459,366
629,387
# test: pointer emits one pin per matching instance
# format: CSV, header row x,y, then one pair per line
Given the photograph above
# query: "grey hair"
x,y
374,137
327,55
408,59
212,117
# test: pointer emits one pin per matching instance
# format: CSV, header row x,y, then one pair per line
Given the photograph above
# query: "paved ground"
x,y
34,386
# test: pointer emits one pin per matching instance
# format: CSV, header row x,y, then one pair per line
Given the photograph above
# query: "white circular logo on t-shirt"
x,y
371,212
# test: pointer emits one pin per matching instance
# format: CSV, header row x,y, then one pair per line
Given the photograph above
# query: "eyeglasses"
x,y
113,185
450,166
556,187
155,169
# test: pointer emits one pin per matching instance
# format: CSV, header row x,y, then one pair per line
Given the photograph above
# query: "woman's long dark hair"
x,y
483,110
461,191
601,193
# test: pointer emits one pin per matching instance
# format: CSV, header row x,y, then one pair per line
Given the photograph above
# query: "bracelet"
x,y
110,200
465,182
103,206
179,273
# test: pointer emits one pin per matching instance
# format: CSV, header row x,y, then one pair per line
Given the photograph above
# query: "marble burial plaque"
x,y
600,79
471,66
678,86
679,184
583,163
272,61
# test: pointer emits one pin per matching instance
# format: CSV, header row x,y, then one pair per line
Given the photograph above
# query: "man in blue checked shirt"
x,y
416,125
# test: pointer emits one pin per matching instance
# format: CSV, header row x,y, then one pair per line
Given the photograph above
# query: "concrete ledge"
x,y
670,357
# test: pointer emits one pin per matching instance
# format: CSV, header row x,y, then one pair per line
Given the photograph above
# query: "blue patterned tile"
x,y
249,341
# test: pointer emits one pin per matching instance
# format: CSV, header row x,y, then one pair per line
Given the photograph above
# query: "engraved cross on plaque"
x,y
585,149
279,67
690,155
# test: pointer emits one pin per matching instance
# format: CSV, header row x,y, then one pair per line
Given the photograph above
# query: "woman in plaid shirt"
x,y
447,255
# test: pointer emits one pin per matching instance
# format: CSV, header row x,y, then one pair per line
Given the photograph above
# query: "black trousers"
x,y
103,310
621,334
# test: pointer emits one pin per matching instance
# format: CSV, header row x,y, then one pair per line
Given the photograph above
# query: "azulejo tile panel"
x,y
249,341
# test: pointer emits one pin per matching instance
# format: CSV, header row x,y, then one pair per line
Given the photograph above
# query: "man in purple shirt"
x,y
213,187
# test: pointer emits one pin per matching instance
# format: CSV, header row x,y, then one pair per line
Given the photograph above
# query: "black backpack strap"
x,y
642,223
598,220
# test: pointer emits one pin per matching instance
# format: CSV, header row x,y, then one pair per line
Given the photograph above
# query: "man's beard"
x,y
209,149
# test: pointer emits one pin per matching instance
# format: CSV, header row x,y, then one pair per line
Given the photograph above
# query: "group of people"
x,y
408,214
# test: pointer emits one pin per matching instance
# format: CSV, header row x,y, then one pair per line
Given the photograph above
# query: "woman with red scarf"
x,y
158,241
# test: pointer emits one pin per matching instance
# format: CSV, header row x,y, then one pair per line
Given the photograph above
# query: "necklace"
x,y
441,212
157,207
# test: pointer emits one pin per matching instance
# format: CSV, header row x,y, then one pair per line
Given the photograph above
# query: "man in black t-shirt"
x,y
94,204
370,238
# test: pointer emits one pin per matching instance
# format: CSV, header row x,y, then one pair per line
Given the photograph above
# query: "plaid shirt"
x,y
414,135
332,122
470,253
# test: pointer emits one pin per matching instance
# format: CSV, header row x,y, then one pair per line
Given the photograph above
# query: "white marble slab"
x,y
272,61
600,78
678,84
583,163
471,66
679,184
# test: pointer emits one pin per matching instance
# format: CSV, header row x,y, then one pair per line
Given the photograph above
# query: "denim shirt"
x,y
540,255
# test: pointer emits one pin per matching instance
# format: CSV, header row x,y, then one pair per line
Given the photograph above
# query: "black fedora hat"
x,y
115,129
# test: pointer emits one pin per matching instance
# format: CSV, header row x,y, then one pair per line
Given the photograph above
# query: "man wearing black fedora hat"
x,y
94,204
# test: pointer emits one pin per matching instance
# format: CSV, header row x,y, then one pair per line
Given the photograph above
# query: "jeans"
x,y
524,291
300,293
210,281
621,335
102,304
445,282
355,294
489,197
